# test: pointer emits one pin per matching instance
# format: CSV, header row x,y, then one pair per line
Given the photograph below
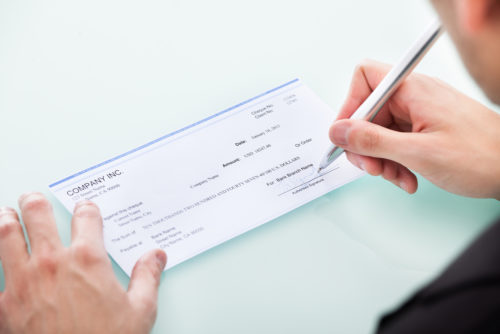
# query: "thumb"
x,y
145,279
369,139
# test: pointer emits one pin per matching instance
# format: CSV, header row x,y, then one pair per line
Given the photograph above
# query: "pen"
x,y
372,105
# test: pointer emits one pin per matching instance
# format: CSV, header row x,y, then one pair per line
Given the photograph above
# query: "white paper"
x,y
213,180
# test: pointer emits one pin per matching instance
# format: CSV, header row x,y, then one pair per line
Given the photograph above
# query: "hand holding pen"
x,y
425,127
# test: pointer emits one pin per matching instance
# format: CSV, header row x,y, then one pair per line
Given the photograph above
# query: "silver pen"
x,y
372,105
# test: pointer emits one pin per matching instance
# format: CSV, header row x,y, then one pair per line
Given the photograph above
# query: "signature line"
x,y
300,185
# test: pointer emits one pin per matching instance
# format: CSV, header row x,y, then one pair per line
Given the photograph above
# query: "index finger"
x,y
366,78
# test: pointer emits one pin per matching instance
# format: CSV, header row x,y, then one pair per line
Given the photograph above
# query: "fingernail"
x,y
402,185
87,209
359,162
82,203
24,196
6,210
340,133
362,165
161,259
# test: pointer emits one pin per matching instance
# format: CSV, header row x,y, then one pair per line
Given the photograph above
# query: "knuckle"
x,y
390,173
421,81
359,67
47,262
35,202
149,304
85,254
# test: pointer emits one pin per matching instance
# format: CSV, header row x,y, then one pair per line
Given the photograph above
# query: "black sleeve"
x,y
465,298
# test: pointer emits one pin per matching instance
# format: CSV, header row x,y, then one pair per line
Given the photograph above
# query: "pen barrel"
x,y
391,82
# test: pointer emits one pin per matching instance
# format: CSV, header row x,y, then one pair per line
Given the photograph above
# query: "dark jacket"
x,y
465,298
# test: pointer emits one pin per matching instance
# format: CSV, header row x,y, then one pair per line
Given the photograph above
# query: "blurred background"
x,y
84,81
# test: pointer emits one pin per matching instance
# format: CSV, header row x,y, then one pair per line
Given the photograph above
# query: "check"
x,y
204,184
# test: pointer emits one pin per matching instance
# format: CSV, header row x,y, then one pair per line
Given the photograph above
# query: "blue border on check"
x,y
172,133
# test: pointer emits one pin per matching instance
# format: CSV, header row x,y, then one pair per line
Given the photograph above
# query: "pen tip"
x,y
319,170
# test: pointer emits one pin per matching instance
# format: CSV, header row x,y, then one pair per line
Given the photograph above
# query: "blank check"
x,y
210,181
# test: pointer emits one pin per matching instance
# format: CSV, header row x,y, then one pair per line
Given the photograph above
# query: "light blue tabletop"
x,y
82,81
